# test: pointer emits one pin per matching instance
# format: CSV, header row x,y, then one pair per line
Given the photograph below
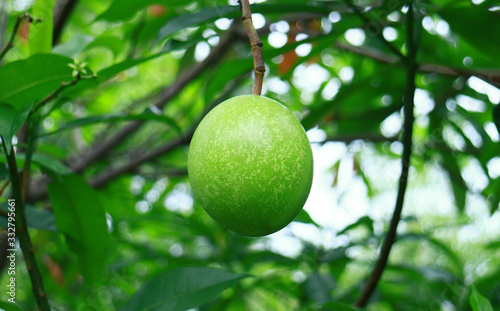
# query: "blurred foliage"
x,y
141,228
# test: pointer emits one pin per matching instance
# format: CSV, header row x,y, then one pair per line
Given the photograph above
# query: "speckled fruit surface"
x,y
250,165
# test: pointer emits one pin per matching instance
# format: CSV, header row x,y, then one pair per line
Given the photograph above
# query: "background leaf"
x,y
479,302
81,218
181,289
40,36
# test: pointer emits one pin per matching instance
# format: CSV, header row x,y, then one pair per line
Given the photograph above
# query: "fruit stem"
x,y
258,61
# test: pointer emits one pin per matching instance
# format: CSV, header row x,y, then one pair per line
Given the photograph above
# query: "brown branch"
x,y
381,263
105,177
54,94
258,61
488,75
62,13
100,149
21,227
10,44
349,138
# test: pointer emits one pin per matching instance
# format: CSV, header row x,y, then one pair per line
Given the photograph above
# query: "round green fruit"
x,y
250,165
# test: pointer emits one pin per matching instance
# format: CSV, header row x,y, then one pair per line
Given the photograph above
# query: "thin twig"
x,y
2,189
258,61
56,93
379,267
22,232
10,44
379,34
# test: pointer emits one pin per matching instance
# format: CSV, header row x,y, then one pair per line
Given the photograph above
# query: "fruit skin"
x,y
250,165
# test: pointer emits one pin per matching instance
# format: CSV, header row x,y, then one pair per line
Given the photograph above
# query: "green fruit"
x,y
250,165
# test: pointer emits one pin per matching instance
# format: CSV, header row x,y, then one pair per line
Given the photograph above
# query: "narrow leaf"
x,y
182,288
37,218
337,306
32,79
80,216
40,37
116,118
478,19
11,121
479,302
74,46
182,21
51,164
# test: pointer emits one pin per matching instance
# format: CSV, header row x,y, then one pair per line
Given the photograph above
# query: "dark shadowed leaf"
x,y
81,218
338,306
181,289
37,218
180,22
51,164
9,306
478,302
11,120
364,221
478,19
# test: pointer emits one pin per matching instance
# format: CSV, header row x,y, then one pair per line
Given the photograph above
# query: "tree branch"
x,y
258,61
185,139
54,94
375,138
22,232
379,267
10,44
490,76
99,150
61,16
102,179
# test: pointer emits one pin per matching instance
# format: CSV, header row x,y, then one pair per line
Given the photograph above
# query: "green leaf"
x,y
318,287
124,9
337,306
116,118
458,184
4,170
228,71
496,116
80,216
9,306
52,164
37,218
182,21
106,74
478,20
11,121
181,289
40,35
32,79
479,302
305,218
364,221
74,46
